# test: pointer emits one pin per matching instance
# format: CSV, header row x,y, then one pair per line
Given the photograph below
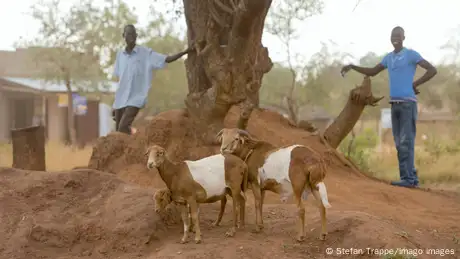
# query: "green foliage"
x,y
169,86
437,148
359,148
275,85
367,139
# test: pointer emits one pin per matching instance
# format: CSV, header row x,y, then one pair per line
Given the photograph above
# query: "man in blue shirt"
x,y
134,67
401,64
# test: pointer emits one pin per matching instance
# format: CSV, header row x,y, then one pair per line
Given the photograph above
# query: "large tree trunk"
x,y
229,62
358,99
29,148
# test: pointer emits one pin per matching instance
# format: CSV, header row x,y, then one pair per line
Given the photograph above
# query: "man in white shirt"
x,y
134,67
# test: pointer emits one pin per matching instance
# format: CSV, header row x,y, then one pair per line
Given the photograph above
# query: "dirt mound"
x,y
365,212
78,213
174,130
92,214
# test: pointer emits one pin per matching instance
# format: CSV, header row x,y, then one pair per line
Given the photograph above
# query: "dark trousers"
x,y
403,119
124,117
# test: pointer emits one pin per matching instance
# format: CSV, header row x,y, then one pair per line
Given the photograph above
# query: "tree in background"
x,y
169,87
62,55
323,79
283,19
451,68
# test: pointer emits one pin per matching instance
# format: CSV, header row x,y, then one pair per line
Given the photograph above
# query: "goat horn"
x,y
243,132
220,133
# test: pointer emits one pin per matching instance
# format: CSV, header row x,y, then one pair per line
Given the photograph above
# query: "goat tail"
x,y
323,194
244,184
317,173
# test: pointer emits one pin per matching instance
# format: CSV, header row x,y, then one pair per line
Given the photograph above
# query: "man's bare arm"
x,y
369,71
177,56
431,71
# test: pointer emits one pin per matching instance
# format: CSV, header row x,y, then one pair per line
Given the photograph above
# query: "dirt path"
x,y
352,225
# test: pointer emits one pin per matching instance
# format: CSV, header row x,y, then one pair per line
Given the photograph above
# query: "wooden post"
x,y
29,148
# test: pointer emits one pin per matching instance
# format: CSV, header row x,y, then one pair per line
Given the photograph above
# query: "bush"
x,y
437,147
359,147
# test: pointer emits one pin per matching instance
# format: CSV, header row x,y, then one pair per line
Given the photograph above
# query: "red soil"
x,y
92,214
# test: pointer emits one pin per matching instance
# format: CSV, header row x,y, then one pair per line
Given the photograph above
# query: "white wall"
x,y
106,124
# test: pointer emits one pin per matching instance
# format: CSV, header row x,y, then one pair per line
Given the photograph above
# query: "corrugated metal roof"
x,y
46,86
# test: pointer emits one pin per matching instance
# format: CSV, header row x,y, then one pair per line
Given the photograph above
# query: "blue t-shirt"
x,y
401,70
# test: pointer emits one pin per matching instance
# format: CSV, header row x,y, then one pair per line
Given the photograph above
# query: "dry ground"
x,y
93,214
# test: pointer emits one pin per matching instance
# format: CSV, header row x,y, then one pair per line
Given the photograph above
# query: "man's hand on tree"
x,y
190,49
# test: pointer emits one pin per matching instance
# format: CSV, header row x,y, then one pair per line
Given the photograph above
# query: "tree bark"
x,y
229,60
359,97
29,148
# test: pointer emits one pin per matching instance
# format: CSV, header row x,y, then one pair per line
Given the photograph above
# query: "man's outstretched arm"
x,y
177,56
367,71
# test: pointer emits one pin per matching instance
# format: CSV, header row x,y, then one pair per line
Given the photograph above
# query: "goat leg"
x,y
192,225
235,195
322,212
258,205
242,211
301,215
223,203
194,211
186,221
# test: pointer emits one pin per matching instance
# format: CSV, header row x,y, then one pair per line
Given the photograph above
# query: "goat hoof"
x,y
322,236
259,228
183,241
230,232
198,241
300,238
240,225
215,224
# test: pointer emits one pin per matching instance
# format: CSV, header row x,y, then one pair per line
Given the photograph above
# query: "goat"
x,y
206,180
287,171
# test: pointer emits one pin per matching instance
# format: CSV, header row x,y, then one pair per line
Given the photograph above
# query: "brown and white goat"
x,y
287,171
202,181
